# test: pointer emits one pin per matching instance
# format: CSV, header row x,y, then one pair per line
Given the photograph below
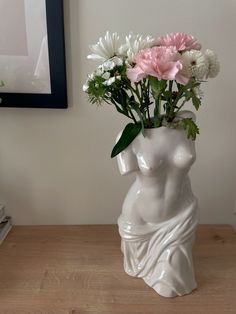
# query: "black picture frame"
x,y
56,49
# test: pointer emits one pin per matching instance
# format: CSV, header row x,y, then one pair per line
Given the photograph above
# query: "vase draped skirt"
x,y
161,253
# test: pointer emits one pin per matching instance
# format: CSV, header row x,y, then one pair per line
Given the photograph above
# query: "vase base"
x,y
164,290
168,292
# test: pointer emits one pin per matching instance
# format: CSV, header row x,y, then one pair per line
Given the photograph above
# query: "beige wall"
x,y
54,164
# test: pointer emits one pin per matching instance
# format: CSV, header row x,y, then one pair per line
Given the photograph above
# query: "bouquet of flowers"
x,y
149,80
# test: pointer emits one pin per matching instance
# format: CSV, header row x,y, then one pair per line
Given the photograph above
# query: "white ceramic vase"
x,y
158,219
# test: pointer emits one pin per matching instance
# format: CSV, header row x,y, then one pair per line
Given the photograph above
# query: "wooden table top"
x,y
79,270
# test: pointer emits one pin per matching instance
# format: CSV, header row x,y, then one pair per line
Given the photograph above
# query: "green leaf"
x,y
196,101
154,84
124,100
128,135
139,113
191,128
188,95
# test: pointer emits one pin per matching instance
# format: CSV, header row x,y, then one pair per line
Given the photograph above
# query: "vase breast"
x,y
158,217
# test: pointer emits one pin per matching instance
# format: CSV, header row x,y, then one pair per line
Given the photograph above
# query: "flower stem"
x,y
181,106
147,101
170,86
157,112
133,117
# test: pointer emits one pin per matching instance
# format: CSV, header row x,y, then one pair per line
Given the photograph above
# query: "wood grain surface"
x,y
79,270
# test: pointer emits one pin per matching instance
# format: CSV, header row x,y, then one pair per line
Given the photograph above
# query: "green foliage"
x,y
134,100
128,135
158,88
196,101
96,90
191,128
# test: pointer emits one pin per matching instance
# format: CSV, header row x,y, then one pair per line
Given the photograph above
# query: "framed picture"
x,y
32,54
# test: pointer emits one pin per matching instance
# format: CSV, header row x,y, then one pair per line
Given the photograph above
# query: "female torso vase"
x,y
158,219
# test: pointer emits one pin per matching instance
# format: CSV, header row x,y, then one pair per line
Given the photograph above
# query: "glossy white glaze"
x,y
158,217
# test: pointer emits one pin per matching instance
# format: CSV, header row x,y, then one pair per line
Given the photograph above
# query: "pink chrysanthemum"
x,y
181,41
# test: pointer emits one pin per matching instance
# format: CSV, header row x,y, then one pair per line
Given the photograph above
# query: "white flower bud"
x,y
99,71
108,65
106,75
118,61
110,81
86,86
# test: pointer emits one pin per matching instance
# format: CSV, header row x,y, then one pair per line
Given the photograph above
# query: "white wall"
x,y
54,164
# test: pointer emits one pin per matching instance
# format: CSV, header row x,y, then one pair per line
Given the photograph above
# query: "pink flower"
x,y
180,41
161,62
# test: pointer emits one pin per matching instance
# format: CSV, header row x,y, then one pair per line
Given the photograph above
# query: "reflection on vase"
x,y
159,214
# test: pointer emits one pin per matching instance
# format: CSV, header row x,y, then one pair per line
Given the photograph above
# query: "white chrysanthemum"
x,y
195,64
134,44
214,65
106,48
